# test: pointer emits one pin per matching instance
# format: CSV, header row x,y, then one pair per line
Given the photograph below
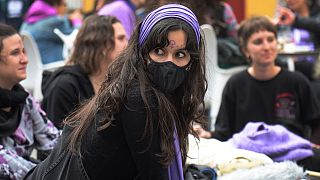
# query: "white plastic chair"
x,y
68,40
35,67
216,76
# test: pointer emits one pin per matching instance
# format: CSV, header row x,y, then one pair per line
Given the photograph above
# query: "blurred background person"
x,y
124,10
23,124
266,92
41,19
304,18
12,12
219,14
98,43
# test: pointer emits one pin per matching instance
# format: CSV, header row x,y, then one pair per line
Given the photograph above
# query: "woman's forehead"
x,y
12,42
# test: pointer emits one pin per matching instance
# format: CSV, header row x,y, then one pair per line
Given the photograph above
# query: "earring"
x,y
249,59
189,66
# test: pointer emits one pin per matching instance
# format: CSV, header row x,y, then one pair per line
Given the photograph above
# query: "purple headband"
x,y
168,11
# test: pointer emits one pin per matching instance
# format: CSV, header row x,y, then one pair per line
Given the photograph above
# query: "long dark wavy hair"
x,y
186,107
94,42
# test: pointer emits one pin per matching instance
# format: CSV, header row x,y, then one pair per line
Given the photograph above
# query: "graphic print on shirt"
x,y
285,106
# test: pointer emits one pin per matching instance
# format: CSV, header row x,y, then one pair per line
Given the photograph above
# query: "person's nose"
x,y
170,57
266,45
24,58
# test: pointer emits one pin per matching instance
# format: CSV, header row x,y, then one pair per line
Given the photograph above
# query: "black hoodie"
x,y
64,90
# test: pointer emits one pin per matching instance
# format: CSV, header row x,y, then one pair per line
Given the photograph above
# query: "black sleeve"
x,y
226,116
310,106
60,101
307,97
133,119
307,23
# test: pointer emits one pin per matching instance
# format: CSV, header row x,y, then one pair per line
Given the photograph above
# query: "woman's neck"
x,y
264,73
97,80
6,86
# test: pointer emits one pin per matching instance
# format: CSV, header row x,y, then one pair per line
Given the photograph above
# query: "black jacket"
x,y
311,24
116,152
64,90
60,164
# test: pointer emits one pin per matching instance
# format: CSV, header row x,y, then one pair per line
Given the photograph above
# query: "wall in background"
x,y
246,8
254,7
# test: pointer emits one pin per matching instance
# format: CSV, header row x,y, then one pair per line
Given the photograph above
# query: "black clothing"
x,y
12,98
118,148
15,98
63,91
311,24
60,164
116,152
286,99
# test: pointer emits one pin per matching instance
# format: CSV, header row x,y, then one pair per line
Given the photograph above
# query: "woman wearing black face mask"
x,y
140,118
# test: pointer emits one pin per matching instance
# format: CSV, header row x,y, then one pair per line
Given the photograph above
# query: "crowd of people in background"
x,y
133,85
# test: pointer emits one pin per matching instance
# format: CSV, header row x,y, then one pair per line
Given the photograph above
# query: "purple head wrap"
x,y
168,11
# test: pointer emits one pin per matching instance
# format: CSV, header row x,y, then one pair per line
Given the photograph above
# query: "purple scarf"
x,y
39,10
274,141
175,171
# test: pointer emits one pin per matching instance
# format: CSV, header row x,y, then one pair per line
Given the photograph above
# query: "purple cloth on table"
x,y
39,10
274,141
123,12
175,171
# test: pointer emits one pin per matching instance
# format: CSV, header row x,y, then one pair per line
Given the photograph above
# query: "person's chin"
x,y
22,77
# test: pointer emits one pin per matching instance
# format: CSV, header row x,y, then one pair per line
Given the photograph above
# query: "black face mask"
x,y
166,75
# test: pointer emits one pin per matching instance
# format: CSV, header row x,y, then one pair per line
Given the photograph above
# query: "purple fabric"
x,y
175,171
39,10
123,12
19,136
273,140
168,11
2,160
303,37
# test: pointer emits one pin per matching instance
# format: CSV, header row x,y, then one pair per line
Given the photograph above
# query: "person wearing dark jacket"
x,y
23,124
98,43
267,93
137,125
302,14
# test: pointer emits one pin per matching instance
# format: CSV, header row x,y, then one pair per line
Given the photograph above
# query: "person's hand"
x,y
201,132
286,16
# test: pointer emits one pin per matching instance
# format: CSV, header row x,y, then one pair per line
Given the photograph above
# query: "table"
x,y
298,55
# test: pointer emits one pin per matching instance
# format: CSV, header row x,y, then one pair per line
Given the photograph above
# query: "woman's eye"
x,y
159,51
180,54
15,53
257,41
270,39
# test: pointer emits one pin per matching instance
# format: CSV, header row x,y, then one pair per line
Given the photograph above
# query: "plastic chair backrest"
x,y
68,40
216,76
